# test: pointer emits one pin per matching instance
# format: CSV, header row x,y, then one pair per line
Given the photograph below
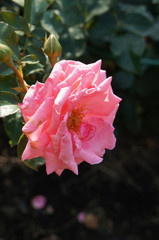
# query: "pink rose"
x,y
69,118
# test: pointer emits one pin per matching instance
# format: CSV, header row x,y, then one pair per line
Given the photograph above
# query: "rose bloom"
x,y
69,119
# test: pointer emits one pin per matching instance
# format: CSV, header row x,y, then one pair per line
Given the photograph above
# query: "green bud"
x,y
6,55
52,48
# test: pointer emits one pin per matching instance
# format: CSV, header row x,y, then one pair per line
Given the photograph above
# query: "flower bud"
x,y
6,55
52,48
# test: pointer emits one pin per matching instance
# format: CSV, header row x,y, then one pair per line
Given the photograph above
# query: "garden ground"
x,y
121,193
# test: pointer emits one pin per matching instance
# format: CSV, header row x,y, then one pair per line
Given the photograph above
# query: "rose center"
x,y
75,120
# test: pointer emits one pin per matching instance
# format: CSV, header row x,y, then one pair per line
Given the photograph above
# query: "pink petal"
x,y
59,171
46,91
101,77
87,156
111,116
40,116
61,98
92,150
56,74
87,131
66,153
104,85
95,67
28,107
36,147
103,137
31,151
56,139
51,160
107,101
70,79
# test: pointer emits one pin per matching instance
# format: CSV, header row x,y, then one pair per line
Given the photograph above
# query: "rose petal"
x,y
29,107
61,98
66,153
51,160
103,137
87,156
40,116
107,101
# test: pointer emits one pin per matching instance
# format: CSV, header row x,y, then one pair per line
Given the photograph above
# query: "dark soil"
x,y
122,193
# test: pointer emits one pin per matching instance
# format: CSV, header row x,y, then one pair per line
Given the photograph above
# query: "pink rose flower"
x,y
69,118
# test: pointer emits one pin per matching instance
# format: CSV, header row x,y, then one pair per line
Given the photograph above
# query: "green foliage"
x,y
155,1
30,59
33,10
21,145
127,49
13,125
8,103
124,33
17,22
10,38
35,163
8,84
123,80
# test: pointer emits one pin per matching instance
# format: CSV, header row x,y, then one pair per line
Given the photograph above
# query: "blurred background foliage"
x,y
123,33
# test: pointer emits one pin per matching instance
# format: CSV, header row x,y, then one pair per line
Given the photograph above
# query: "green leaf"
x,y
30,59
104,28
136,19
77,12
19,2
34,41
34,10
154,31
123,80
128,49
137,24
10,38
155,1
73,42
13,127
35,163
128,42
38,52
14,20
32,68
52,22
8,103
38,32
125,62
5,70
71,12
7,83
139,9
21,145
150,62
97,7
